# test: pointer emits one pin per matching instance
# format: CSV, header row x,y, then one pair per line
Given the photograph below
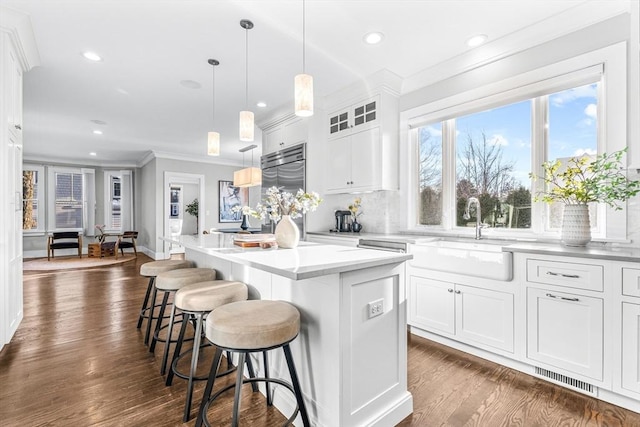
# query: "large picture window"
x,y
492,152
71,199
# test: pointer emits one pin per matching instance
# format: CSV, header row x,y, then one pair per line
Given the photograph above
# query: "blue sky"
x,y
572,128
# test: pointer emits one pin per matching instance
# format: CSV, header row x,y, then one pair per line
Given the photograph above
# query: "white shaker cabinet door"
x,y
431,305
631,347
485,316
565,331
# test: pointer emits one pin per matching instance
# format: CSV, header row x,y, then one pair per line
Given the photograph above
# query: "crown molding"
x,y
186,158
18,27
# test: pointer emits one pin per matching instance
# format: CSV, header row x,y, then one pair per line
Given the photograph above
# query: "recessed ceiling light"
x,y
98,122
190,84
476,40
97,132
93,153
261,104
373,37
92,56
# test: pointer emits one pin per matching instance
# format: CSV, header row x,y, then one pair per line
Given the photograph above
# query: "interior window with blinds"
x,y
68,200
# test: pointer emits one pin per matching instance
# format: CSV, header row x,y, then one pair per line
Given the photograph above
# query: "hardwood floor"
x,y
78,360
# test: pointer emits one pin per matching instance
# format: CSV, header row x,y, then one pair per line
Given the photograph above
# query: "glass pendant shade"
x,y
303,95
247,177
213,144
246,126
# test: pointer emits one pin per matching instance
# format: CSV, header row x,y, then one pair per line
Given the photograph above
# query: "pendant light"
x,y
246,117
247,177
213,140
303,83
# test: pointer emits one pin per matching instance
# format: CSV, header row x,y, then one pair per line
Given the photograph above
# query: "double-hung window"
x,y
487,147
71,199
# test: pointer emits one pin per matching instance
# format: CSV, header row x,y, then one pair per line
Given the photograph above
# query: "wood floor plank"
x,y
77,359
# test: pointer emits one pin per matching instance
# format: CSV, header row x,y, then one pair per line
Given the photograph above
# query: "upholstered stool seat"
x,y
151,270
247,327
197,301
169,282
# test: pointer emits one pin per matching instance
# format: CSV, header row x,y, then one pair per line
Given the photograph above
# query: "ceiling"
x,y
150,46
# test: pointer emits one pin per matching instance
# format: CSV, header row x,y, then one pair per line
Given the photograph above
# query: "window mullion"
x,y
449,174
539,143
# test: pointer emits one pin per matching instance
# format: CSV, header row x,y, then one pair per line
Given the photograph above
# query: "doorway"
x,y
181,190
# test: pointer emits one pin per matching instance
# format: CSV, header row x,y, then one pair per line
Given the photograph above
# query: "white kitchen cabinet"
x,y
630,372
565,330
354,118
17,55
362,146
472,315
287,132
356,163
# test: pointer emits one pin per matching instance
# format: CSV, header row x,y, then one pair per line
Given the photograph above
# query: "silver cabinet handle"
x,y
563,298
449,290
18,127
569,276
458,292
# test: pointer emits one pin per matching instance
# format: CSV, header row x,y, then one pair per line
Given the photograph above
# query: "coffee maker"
x,y
342,221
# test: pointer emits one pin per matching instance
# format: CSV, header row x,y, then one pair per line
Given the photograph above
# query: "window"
x,y
118,213
33,219
492,153
71,198
68,200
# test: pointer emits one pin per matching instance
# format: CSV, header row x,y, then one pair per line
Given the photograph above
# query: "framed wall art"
x,y
228,197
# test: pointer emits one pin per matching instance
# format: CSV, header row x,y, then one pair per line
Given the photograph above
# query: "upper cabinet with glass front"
x,y
362,136
354,118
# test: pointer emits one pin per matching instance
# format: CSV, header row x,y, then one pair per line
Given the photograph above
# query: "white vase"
x,y
576,226
287,233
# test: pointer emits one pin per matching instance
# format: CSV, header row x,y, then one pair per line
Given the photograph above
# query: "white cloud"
x,y
582,151
434,131
567,96
498,139
591,110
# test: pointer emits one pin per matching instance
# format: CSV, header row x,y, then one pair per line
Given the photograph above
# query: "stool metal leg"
x,y
144,303
266,375
163,306
151,310
194,364
176,352
252,373
167,343
207,390
296,385
238,390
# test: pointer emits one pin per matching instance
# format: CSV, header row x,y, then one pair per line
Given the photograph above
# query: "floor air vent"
x,y
568,381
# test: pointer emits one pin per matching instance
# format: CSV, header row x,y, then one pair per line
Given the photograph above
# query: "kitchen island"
x,y
351,353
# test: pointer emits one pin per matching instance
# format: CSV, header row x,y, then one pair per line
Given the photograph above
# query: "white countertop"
x,y
306,261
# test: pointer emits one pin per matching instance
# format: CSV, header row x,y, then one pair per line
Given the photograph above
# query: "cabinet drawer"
x,y
571,275
631,282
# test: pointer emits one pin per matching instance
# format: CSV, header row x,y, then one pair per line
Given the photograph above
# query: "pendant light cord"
x,y
213,91
246,70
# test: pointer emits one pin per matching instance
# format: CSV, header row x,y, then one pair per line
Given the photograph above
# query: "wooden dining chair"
x,y
125,241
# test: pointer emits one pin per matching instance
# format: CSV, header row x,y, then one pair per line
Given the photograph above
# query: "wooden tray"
x,y
247,244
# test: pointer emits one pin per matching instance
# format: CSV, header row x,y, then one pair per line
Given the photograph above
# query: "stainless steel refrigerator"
x,y
284,169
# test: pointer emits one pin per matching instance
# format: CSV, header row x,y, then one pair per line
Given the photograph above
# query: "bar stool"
x,y
151,270
248,327
197,301
169,282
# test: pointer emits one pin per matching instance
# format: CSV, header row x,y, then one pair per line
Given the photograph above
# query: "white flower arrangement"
x,y
279,203
245,210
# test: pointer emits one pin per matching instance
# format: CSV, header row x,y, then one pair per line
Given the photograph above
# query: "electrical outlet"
x,y
376,308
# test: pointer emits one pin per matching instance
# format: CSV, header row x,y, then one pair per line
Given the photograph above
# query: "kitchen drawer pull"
x,y
458,292
563,298
569,276
449,290
18,127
